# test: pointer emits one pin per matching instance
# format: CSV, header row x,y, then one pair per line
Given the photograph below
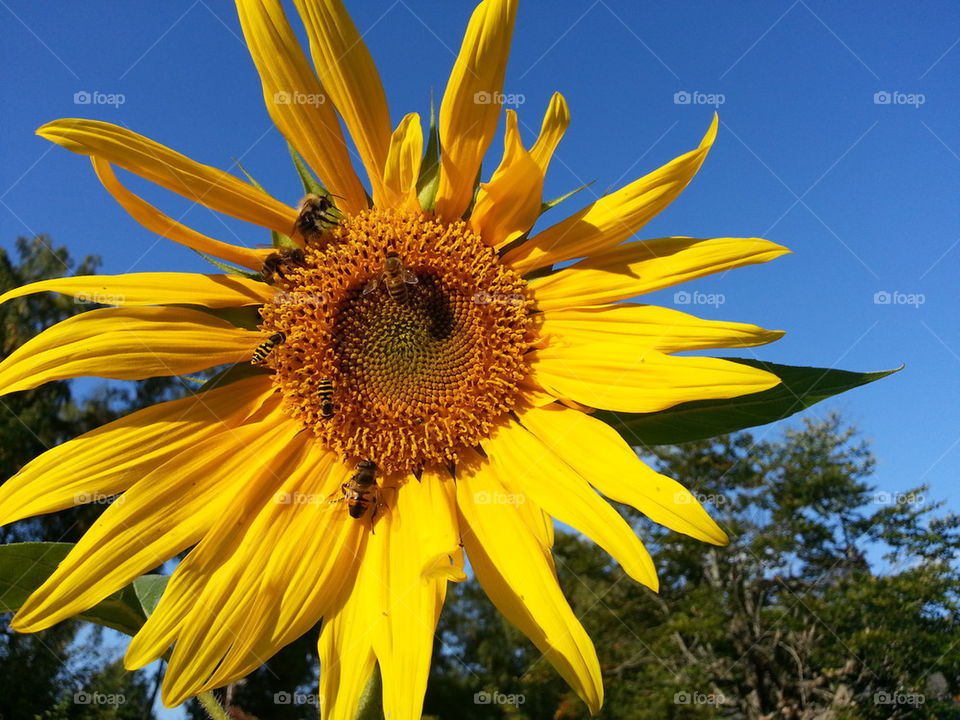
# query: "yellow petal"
x,y
129,343
351,80
346,661
641,267
471,103
403,164
638,327
517,454
109,459
509,563
509,204
161,288
601,375
165,512
601,456
297,102
613,218
396,601
555,123
292,564
165,226
203,184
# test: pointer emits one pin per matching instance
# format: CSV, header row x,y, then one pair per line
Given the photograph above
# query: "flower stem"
x,y
212,706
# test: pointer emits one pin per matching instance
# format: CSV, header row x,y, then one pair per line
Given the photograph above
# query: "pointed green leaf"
x,y
246,317
229,269
277,239
800,388
311,186
556,201
429,179
237,371
25,566
148,589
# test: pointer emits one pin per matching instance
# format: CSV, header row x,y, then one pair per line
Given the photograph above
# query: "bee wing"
x,y
410,277
372,285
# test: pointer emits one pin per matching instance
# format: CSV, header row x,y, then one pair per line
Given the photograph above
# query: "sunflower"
x,y
423,363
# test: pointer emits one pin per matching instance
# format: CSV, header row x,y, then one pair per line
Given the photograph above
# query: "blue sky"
x,y
839,138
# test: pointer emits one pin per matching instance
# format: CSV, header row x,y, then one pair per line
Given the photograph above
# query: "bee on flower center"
x,y
326,398
264,349
278,264
315,215
395,277
361,490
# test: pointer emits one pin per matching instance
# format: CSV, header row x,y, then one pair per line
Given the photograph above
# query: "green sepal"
x,y
556,201
24,567
311,186
476,193
229,269
277,239
800,388
237,371
538,273
245,318
429,180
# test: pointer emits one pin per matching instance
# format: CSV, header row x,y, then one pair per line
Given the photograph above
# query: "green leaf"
x,y
800,388
311,186
429,179
229,269
246,317
556,201
25,566
237,371
276,238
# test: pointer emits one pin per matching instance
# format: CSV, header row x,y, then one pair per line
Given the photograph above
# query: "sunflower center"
x,y
404,338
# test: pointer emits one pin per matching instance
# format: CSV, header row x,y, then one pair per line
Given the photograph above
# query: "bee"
x,y
314,217
395,277
277,264
326,398
264,348
361,491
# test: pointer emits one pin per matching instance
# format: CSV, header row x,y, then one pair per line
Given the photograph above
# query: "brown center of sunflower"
x,y
404,338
